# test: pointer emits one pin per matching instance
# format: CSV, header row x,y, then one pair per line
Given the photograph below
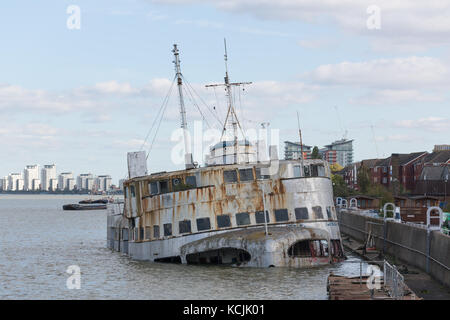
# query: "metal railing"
x,y
394,282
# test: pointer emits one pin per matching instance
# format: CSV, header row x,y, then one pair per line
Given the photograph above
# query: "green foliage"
x,y
340,188
447,207
336,167
379,191
315,153
363,179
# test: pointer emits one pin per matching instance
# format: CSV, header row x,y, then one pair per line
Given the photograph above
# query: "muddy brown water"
x,y
39,241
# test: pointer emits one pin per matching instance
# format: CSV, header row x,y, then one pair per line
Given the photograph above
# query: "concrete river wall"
x,y
414,245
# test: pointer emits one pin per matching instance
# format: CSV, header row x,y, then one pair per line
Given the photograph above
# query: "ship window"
x,y
177,184
184,226
330,216
317,170
167,229
336,250
242,218
318,212
203,224
321,171
230,176
155,231
259,175
314,171
246,175
133,194
191,181
125,234
259,217
300,249
153,187
223,221
164,186
307,171
309,248
301,213
297,172
147,233
281,215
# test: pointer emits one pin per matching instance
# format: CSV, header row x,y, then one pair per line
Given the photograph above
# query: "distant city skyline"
x,y
46,178
90,91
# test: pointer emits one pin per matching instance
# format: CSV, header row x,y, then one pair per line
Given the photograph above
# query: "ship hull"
x,y
249,247
219,221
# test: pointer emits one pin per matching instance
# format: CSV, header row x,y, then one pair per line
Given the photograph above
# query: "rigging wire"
x,y
161,108
240,105
191,98
159,124
201,99
157,115
217,103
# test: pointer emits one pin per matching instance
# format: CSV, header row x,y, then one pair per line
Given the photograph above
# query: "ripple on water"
x,y
39,241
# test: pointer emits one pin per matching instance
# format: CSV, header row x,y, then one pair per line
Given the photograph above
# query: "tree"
x,y
363,179
379,191
340,188
315,153
335,167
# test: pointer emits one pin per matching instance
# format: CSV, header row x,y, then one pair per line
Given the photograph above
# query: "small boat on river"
x,y
84,206
92,201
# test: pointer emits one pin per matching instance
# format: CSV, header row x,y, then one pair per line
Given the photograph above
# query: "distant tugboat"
x,y
236,210
90,201
84,206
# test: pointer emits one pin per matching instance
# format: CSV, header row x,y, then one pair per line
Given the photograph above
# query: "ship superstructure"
x,y
239,209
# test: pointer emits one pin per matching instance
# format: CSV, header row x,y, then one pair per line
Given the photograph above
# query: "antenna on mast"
x,y
226,57
231,113
301,144
187,150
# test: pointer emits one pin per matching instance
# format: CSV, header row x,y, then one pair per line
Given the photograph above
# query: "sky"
x,y
81,88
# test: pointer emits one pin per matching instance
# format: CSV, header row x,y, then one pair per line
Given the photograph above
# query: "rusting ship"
x,y
239,209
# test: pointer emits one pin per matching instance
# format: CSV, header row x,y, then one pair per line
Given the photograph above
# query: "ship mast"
x,y
301,146
231,113
187,149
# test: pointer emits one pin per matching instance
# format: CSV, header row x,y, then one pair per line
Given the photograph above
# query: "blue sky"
x,y
82,98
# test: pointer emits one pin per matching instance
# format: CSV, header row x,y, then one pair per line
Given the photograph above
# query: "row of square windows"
x,y
229,176
224,221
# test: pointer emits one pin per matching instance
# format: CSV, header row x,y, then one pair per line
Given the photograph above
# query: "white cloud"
x,y
410,23
435,124
103,101
114,87
385,73
395,96
202,23
16,98
395,138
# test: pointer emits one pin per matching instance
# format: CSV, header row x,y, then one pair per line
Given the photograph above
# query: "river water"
x,y
39,241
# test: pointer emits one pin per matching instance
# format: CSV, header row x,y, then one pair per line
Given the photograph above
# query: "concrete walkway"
x,y
417,280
